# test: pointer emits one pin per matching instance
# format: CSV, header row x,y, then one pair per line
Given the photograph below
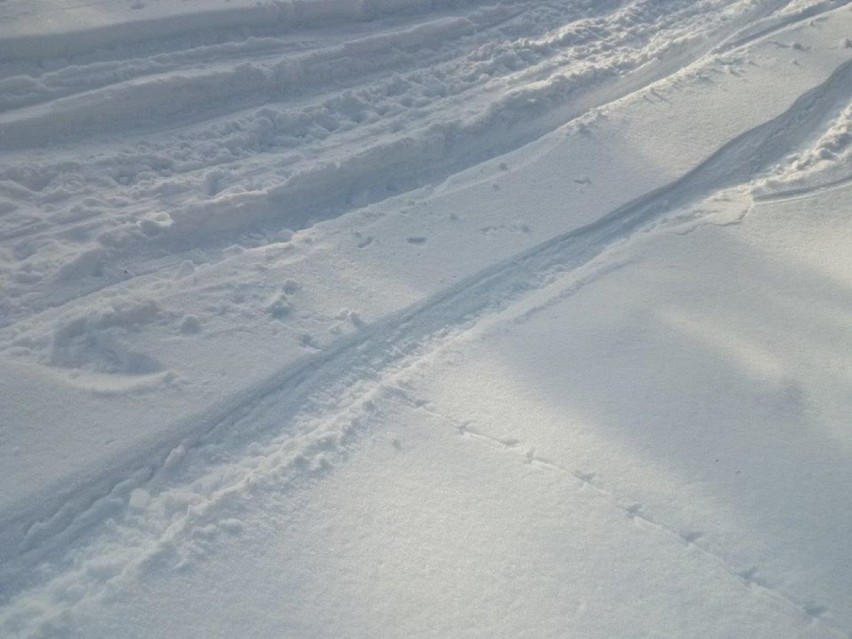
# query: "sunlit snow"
x,y
396,318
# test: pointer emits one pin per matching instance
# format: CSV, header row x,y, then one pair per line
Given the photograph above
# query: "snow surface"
x,y
325,318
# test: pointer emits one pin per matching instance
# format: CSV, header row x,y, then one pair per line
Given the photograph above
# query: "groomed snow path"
x,y
395,318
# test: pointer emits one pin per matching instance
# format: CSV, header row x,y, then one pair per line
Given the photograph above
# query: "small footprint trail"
x,y
302,405
637,514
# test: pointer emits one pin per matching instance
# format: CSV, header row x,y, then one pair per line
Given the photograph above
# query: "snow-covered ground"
x,y
389,318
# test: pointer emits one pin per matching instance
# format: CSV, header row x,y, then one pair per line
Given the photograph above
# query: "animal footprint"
x,y
691,536
634,510
749,575
586,478
815,610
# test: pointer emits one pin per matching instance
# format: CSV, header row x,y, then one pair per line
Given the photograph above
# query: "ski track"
x,y
304,129
295,424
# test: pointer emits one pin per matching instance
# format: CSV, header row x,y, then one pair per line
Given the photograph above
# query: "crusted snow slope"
x,y
258,386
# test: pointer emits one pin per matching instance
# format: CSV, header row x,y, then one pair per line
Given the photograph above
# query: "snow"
x,y
428,319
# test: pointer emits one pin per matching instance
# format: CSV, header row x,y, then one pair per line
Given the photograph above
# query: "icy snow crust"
x,y
406,318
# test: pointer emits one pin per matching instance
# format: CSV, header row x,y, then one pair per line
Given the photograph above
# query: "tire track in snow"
x,y
512,91
289,67
299,413
275,16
